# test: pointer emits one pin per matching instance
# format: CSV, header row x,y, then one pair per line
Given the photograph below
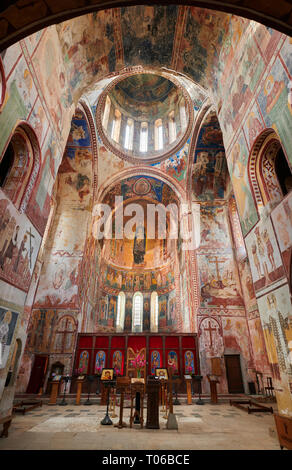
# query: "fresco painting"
x,y
19,245
219,281
237,164
210,173
276,318
8,322
155,361
282,221
264,255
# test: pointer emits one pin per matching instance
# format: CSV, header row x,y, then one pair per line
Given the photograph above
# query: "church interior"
x,y
146,215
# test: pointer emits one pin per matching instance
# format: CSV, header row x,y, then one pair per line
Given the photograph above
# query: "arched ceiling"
x,y
19,18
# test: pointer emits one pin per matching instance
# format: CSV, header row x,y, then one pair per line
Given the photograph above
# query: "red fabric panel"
x,y
155,342
137,342
101,342
118,342
85,342
172,342
188,342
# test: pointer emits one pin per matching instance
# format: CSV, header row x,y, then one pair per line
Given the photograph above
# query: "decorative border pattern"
x,y
132,158
3,85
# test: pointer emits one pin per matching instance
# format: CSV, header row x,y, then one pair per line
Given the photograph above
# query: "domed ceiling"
x,y
145,106
143,93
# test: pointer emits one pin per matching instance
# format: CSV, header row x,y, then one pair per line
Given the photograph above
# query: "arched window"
x,y
120,312
183,115
144,137
283,172
115,135
106,113
129,134
154,312
19,166
158,135
171,127
269,172
137,312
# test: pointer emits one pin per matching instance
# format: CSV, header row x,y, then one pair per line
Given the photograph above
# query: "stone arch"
x,y
22,172
262,172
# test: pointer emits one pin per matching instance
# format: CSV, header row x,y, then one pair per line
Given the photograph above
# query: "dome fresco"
x,y
145,106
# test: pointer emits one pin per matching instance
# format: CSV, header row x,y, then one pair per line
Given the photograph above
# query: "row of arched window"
x,y
164,132
137,312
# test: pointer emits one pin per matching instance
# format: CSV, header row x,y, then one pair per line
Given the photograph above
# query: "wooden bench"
x,y
253,407
6,421
26,405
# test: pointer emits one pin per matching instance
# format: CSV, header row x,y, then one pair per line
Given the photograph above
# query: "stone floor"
x,y
207,427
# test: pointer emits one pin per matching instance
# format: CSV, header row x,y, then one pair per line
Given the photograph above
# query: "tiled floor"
x,y
206,427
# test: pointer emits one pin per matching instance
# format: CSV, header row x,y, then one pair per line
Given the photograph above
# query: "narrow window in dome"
x,y
115,135
171,127
158,135
144,137
129,134
137,311
106,113
183,116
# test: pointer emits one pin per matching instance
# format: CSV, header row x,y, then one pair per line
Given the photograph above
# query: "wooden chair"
x,y
137,388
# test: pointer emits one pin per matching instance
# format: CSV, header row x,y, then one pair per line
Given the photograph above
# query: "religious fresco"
x,y
237,164
189,362
75,171
273,103
219,281
176,165
132,281
235,336
276,318
173,360
214,229
146,313
83,362
194,54
148,34
210,172
264,255
8,322
128,314
259,352
155,361
236,229
53,80
282,221
211,337
247,285
118,362
100,361
59,278
88,47
58,285
19,245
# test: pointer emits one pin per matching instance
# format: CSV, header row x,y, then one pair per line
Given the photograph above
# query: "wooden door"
x,y
131,371
233,372
37,374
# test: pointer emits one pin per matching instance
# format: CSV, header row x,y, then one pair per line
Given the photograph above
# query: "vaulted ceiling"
x,y
19,18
